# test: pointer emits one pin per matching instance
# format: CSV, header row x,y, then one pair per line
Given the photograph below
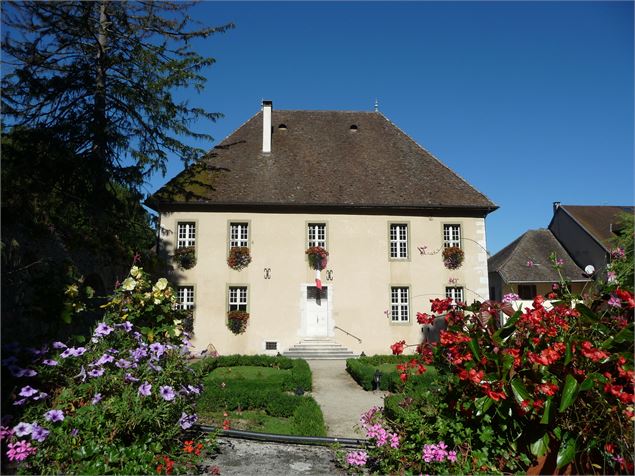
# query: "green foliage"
x,y
121,399
622,260
241,387
363,372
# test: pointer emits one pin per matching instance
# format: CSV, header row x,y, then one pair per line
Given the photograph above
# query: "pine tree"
x,y
102,75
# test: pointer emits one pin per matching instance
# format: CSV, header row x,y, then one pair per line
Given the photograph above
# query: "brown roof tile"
x,y
599,221
319,161
536,246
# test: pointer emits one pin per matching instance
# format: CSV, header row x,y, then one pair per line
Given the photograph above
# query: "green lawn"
x,y
258,396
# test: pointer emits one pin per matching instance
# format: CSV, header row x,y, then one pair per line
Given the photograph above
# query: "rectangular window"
x,y
451,236
399,306
186,234
238,298
317,234
527,291
238,234
455,293
399,241
185,295
271,345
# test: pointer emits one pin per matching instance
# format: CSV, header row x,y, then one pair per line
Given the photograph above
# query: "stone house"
x,y
350,182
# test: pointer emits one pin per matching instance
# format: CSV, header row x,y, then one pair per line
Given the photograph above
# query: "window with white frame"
x,y
185,296
238,234
317,234
399,304
186,234
399,240
456,293
451,236
238,298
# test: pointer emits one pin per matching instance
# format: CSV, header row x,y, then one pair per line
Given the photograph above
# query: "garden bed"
x,y
363,370
257,393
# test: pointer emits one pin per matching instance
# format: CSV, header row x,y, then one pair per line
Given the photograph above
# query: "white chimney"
x,y
266,126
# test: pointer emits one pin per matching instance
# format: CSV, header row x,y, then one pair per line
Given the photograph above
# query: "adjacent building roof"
x,y
600,222
527,260
326,159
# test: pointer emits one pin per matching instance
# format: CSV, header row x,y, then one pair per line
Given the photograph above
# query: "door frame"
x,y
303,310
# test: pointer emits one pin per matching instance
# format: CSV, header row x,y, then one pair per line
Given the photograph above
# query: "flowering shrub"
x,y
185,257
239,257
550,381
237,321
113,404
453,257
318,257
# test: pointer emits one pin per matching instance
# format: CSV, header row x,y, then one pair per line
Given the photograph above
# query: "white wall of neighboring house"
x,y
361,273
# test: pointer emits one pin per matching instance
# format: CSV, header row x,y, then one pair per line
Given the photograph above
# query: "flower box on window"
x,y
185,257
453,257
237,321
239,257
318,257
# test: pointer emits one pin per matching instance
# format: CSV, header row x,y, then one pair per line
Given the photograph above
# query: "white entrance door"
x,y
317,312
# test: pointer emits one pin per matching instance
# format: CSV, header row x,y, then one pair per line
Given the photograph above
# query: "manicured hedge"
x,y
300,375
363,370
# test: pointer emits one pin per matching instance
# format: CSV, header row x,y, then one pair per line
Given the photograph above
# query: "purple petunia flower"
x,y
129,378
50,362
139,353
167,393
96,372
126,326
102,330
145,389
186,421
54,416
73,352
28,391
23,429
193,389
96,399
22,401
59,345
158,349
104,359
40,396
123,364
39,433
74,432
154,367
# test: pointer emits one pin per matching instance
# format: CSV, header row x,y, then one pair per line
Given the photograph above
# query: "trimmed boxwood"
x,y
300,375
363,369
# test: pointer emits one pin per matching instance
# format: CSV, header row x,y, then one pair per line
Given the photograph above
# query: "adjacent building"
x,y
351,183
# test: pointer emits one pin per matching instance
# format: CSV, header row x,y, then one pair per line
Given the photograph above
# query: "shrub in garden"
x,y
116,404
363,371
552,382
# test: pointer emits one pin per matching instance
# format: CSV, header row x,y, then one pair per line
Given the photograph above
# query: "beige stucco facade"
x,y
359,277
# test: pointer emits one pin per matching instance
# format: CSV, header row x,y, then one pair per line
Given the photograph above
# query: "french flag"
x,y
318,281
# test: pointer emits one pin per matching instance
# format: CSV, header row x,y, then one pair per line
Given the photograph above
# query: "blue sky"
x,y
530,102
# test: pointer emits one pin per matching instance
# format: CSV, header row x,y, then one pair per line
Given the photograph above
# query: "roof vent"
x,y
282,127
354,128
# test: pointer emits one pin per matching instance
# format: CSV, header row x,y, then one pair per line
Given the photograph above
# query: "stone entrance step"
x,y
317,348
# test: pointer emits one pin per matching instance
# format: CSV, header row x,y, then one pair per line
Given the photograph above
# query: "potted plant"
x,y
453,257
239,257
318,257
237,321
185,257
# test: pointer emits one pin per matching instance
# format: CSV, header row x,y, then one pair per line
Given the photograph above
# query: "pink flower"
x,y
356,458
615,301
20,450
530,263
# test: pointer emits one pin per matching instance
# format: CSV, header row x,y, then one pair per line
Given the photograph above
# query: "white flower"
x,y
161,284
135,272
128,284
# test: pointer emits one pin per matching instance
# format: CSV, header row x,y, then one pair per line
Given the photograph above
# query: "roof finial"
x,y
376,105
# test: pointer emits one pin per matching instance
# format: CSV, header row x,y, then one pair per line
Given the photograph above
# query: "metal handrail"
x,y
346,332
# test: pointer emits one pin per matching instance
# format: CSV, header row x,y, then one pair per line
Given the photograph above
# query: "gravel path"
x,y
341,399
